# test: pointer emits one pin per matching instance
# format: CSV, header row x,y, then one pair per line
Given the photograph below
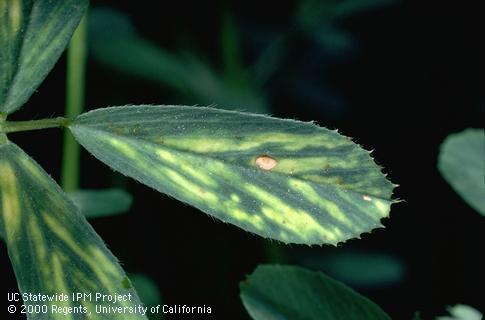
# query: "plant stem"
x,y
17,126
76,69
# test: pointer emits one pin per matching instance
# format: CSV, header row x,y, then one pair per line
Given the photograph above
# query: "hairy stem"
x,y
18,126
76,68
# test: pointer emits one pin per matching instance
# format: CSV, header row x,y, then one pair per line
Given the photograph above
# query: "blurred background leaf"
x,y
462,312
101,203
115,44
148,292
320,20
241,84
285,292
358,269
462,164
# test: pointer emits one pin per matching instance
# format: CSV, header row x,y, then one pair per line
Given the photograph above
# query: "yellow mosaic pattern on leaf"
x,y
52,247
282,179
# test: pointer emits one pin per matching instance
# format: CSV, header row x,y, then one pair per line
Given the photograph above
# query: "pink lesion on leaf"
x,y
265,162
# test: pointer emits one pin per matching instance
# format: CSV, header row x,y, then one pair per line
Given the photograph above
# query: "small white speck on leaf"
x,y
367,198
265,162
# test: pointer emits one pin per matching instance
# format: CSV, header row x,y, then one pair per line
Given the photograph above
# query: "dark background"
x,y
412,77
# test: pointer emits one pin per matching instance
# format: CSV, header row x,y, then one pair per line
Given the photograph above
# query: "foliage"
x,y
358,268
114,43
462,312
101,203
283,179
148,291
284,292
461,163
52,247
319,187
33,35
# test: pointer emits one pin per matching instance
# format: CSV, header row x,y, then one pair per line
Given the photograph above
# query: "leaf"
x,y
101,203
320,19
461,163
33,35
283,179
114,42
52,247
311,13
359,269
462,312
286,292
352,7
148,292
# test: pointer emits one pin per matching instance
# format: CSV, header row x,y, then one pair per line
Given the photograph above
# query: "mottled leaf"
x,y
285,292
462,163
33,34
282,179
101,203
52,247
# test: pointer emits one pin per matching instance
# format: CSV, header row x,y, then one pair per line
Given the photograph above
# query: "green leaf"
x,y
52,247
33,34
462,312
461,163
101,203
311,13
148,292
114,42
286,292
283,179
359,269
320,19
352,7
